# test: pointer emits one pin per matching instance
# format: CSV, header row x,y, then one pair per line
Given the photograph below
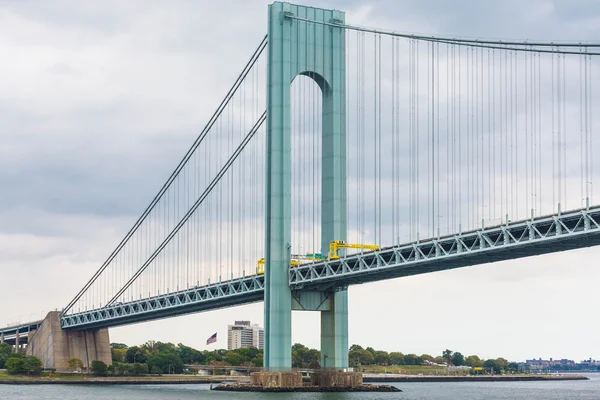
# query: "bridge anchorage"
x,y
371,155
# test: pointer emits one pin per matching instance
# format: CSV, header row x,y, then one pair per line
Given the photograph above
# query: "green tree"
x,y
74,364
258,361
166,362
172,349
253,352
302,356
15,365
440,360
190,355
5,353
118,346
427,357
136,354
121,369
156,370
118,355
447,354
151,346
474,361
233,358
492,364
32,365
299,355
381,357
458,359
5,348
354,357
412,359
355,347
360,357
513,366
396,358
366,357
99,368
371,350
139,369
502,363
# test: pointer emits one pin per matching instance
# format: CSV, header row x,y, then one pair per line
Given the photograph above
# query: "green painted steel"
x,y
301,48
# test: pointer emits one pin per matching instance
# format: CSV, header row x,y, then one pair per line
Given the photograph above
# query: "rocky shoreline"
x,y
480,378
256,388
89,380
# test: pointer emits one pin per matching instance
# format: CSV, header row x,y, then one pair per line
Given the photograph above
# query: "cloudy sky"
x,y
99,101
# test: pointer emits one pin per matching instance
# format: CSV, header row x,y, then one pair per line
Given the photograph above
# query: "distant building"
x,y
242,335
589,363
540,364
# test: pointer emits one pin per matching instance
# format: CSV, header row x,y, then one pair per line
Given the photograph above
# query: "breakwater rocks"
x,y
108,381
481,378
256,388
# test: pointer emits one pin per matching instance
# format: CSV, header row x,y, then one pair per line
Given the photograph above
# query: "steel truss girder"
x,y
214,296
566,231
570,230
21,329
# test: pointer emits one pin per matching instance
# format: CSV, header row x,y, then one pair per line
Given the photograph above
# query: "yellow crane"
x,y
296,260
334,246
340,244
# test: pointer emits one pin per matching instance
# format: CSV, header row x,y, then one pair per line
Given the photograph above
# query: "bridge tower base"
x,y
315,49
55,346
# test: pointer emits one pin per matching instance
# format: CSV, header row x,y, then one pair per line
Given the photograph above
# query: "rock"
x,y
257,388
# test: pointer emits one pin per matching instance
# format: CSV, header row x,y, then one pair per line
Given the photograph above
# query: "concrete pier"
x,y
270,380
336,379
320,378
55,346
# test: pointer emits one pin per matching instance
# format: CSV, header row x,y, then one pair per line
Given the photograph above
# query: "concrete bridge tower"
x,y
317,50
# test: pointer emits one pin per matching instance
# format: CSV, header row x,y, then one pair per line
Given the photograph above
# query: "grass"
x,y
4,375
406,369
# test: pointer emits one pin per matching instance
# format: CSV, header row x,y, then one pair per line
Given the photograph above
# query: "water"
x,y
571,390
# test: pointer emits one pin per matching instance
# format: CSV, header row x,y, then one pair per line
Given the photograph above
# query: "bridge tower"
x,y
300,47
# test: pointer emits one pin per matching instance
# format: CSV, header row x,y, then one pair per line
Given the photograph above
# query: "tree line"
x,y
17,362
369,356
168,358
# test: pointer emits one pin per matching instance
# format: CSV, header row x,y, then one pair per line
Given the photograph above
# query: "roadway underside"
x,y
155,308
549,234
489,255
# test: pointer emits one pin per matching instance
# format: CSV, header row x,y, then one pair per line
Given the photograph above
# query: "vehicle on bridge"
x,y
340,244
298,259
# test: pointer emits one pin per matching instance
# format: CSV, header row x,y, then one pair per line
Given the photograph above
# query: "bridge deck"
x,y
542,235
9,333
553,233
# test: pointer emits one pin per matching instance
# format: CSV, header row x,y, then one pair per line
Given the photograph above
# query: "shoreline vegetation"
x,y
79,379
167,363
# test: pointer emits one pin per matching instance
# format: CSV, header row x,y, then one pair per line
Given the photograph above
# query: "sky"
x,y
99,101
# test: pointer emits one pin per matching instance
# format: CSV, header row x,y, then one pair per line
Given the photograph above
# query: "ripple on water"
x,y
571,390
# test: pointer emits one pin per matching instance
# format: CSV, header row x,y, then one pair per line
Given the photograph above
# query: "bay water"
x,y
569,390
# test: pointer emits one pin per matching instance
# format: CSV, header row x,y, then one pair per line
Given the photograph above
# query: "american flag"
x,y
211,339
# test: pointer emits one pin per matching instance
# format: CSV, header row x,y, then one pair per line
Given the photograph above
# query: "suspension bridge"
x,y
344,155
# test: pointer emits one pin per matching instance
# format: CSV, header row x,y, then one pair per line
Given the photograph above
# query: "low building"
x,y
540,364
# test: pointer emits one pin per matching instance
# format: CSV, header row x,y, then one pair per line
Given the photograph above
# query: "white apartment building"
x,y
242,334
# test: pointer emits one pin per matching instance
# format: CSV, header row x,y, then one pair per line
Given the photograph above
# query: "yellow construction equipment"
x,y
260,266
296,260
340,244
